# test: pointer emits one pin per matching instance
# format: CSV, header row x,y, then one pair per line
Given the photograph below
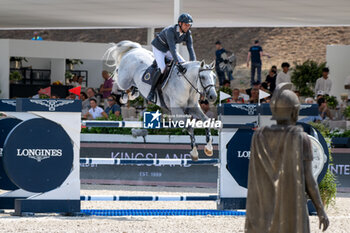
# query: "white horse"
x,y
182,91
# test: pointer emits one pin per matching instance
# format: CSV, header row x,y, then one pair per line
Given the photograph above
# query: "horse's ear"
x,y
202,63
212,65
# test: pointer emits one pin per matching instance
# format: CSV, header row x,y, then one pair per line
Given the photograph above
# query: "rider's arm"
x,y
170,37
190,49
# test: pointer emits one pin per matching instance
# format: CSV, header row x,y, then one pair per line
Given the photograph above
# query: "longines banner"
x,y
341,166
187,175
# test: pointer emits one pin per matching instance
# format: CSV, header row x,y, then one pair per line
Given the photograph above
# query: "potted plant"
x,y
15,77
68,76
328,185
72,62
305,75
332,103
16,62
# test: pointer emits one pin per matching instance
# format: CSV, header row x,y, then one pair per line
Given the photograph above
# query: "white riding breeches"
x,y
159,56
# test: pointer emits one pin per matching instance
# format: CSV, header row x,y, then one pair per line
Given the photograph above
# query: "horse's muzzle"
x,y
211,94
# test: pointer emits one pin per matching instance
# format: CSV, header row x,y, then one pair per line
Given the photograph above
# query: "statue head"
x,y
284,104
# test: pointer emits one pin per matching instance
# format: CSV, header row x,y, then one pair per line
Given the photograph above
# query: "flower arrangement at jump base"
x,y
58,83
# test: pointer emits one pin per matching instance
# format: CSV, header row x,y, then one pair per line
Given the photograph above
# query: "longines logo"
x,y
39,154
9,102
304,106
52,104
250,108
243,154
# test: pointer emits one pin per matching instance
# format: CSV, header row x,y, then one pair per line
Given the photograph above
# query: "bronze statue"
x,y
280,172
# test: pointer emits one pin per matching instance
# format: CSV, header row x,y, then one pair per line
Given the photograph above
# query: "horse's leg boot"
x,y
155,79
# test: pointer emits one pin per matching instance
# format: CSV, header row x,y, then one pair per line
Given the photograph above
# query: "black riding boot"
x,y
155,79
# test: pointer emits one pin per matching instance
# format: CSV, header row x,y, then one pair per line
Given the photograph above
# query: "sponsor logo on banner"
x,y
340,169
243,154
39,154
152,120
9,102
250,108
305,106
52,104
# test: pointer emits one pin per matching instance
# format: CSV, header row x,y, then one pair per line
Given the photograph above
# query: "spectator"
x,y
254,96
54,96
248,91
236,97
205,107
274,68
106,89
81,81
324,84
95,111
85,103
36,36
221,64
227,84
323,109
91,93
284,75
113,107
74,81
72,96
271,80
309,100
254,55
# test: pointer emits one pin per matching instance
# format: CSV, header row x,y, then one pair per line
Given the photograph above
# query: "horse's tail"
x,y
117,51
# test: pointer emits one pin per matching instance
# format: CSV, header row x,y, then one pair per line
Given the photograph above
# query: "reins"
x,y
195,88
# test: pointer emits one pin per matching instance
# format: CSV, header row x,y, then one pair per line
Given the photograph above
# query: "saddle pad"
x,y
149,73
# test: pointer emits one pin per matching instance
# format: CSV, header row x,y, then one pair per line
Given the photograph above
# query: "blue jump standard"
x,y
163,212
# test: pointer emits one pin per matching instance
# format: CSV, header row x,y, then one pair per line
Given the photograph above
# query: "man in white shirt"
x,y
95,111
324,84
284,75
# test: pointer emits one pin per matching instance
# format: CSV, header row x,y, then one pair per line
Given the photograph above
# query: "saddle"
x,y
149,73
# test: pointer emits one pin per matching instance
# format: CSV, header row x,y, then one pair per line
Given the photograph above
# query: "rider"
x,y
164,45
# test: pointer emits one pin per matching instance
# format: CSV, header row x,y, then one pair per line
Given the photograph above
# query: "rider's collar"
x,y
178,29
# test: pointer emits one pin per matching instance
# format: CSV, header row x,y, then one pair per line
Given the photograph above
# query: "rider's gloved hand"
x,y
225,61
181,68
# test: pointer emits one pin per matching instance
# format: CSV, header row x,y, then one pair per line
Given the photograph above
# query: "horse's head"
x,y
207,80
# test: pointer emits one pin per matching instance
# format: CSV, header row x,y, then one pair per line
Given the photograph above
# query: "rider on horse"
x,y
164,45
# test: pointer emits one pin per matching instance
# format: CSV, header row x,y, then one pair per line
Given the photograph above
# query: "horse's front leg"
x,y
194,151
198,113
180,116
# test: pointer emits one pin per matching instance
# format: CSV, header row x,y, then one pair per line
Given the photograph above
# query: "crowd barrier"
x,y
40,159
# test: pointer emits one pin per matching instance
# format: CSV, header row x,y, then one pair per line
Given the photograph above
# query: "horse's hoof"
x,y
208,152
194,154
124,99
133,96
